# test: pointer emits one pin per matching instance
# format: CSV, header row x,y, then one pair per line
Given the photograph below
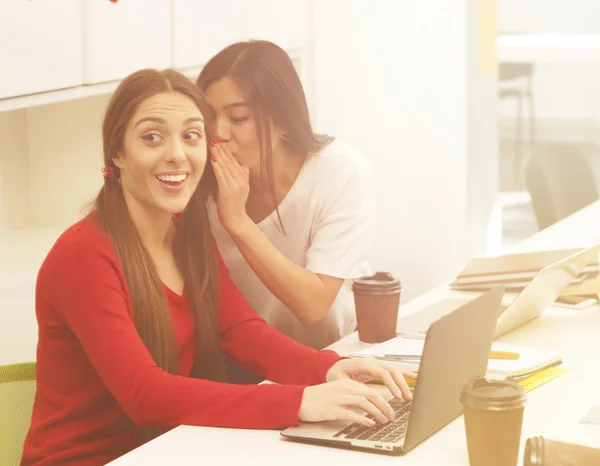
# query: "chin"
x,y
251,163
174,206
245,160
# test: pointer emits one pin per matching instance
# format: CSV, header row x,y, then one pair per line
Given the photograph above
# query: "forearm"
x,y
262,349
303,292
167,401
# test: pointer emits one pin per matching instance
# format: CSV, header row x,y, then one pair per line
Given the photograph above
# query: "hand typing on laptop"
x,y
456,348
343,394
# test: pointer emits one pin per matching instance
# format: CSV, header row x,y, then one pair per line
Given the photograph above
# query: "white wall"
x,y
17,319
561,91
549,16
21,254
14,185
484,215
67,135
50,161
391,79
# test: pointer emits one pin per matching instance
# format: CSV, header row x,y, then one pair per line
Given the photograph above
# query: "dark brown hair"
x,y
193,243
266,76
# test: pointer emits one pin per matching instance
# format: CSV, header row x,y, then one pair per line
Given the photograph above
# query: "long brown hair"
x,y
265,74
193,244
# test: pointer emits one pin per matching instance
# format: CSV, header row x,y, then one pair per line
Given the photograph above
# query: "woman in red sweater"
x,y
133,328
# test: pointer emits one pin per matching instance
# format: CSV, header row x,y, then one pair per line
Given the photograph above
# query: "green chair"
x,y
17,392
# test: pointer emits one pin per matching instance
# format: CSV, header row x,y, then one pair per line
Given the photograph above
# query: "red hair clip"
x,y
108,172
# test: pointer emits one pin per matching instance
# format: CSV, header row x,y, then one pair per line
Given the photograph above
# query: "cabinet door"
x,y
283,22
40,46
203,27
125,36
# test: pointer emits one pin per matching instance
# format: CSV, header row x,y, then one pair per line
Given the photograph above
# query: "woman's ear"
x,y
275,129
277,133
118,160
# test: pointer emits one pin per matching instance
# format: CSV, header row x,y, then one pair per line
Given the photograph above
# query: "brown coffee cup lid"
x,y
380,282
495,394
534,452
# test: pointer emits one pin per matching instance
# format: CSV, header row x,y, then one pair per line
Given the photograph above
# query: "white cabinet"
x,y
284,22
125,36
40,46
203,27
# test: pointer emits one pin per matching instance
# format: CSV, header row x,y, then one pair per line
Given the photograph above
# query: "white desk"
x,y
548,48
553,409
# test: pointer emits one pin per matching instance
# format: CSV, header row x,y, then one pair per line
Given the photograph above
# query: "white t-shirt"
x,y
328,215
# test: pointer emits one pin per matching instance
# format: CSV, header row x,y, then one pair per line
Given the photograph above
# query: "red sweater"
x,y
92,366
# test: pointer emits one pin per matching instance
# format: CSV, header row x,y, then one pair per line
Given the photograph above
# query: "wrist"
x,y
332,374
238,226
336,371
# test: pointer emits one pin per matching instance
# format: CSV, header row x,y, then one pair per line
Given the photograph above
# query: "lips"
x,y
172,182
172,179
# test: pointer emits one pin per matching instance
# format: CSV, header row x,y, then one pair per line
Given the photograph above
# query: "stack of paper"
x,y
407,353
516,271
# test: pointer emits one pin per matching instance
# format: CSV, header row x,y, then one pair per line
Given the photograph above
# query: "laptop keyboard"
x,y
390,432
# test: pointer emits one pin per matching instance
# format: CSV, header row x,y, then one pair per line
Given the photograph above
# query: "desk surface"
x,y
553,410
548,47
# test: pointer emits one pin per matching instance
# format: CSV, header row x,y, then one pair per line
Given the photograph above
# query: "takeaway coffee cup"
x,y
493,412
545,452
376,300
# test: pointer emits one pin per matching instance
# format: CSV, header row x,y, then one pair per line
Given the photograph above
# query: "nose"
x,y
176,153
222,129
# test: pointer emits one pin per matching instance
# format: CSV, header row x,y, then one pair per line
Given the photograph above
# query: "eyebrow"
x,y
236,104
161,121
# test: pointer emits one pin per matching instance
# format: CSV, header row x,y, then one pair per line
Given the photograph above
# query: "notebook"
x,y
514,268
529,382
541,378
587,287
407,353
575,302
488,281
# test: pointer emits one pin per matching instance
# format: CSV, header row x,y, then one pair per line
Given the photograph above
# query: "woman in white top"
x,y
293,216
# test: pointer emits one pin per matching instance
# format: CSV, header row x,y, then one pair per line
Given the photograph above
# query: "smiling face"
x,y
235,122
164,153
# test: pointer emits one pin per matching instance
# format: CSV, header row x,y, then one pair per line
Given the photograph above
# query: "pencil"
x,y
494,354
504,355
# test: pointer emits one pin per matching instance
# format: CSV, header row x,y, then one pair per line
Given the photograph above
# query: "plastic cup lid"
x,y
495,394
380,281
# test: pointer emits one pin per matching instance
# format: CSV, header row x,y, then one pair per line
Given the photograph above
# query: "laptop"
x,y
536,297
543,290
456,348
